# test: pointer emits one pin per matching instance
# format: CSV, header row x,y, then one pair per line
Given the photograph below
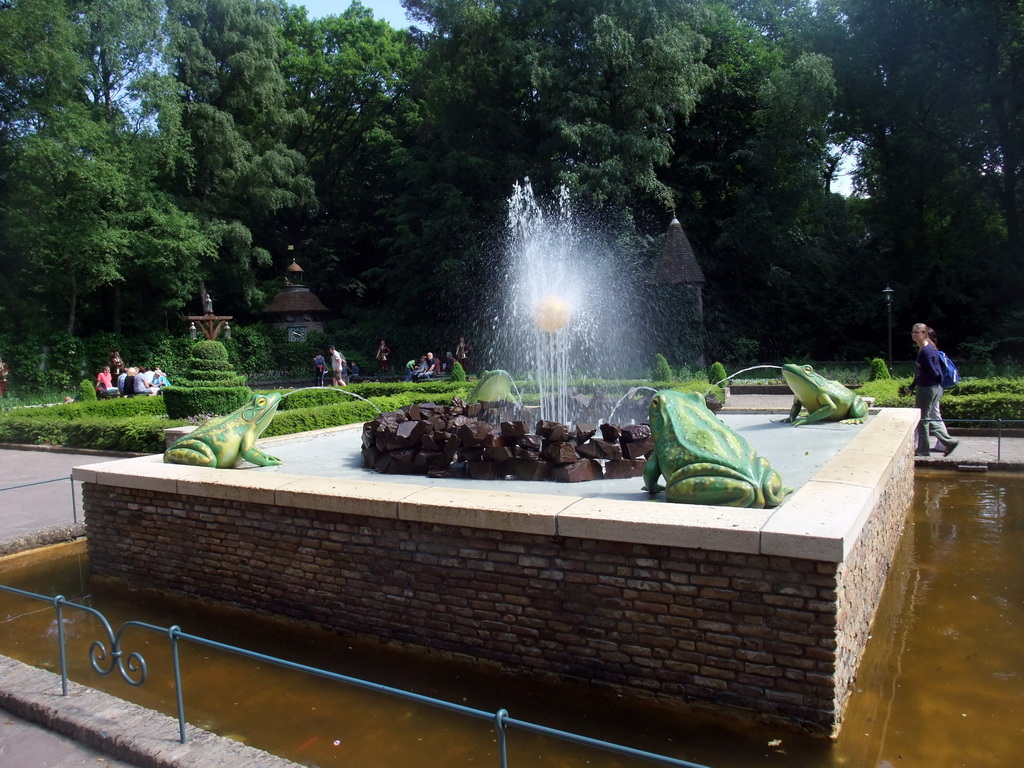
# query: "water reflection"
x,y
941,685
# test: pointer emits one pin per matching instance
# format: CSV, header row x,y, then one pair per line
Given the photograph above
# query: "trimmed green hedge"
x,y
208,384
985,386
140,434
203,378
313,398
182,402
117,408
973,399
352,412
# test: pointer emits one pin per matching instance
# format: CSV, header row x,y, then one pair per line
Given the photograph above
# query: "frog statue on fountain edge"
x,y
703,460
221,443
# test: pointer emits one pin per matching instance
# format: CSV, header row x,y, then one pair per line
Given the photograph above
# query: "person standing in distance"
x,y
383,350
337,367
927,389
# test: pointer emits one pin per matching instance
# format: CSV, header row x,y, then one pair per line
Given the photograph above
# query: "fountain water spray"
x,y
751,368
336,389
564,311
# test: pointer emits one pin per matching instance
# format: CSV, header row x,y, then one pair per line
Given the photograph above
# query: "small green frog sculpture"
x,y
824,399
223,442
494,386
704,461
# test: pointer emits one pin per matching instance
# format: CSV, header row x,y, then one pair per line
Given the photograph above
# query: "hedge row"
x,y
182,402
974,399
352,412
313,398
138,434
74,426
118,408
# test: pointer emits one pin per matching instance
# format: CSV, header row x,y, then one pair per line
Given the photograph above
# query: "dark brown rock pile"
x,y
458,441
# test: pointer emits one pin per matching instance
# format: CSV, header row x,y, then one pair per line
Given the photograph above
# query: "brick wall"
x,y
778,638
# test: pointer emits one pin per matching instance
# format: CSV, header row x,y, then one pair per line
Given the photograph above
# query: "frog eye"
x,y
261,401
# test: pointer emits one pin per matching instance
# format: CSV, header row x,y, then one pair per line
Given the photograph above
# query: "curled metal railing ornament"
x,y
132,667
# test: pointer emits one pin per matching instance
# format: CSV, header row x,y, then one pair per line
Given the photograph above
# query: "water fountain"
x,y
765,611
563,308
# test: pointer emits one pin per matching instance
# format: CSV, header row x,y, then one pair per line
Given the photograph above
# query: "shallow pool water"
x,y
941,684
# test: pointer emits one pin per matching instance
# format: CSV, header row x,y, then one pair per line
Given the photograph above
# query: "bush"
x,y
879,371
458,373
983,399
137,434
662,370
86,391
354,412
717,374
208,385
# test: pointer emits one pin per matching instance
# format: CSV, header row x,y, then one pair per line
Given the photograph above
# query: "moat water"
x,y
941,684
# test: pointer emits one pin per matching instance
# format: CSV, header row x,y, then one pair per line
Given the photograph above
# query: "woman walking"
x,y
927,388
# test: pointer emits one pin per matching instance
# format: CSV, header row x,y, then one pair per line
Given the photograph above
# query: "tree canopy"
x,y
150,145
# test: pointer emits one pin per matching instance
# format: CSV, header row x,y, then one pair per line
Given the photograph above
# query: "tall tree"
x,y
578,92
351,75
241,175
932,90
748,176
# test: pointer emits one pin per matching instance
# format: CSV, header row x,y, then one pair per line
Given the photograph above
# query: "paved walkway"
x,y
26,510
27,745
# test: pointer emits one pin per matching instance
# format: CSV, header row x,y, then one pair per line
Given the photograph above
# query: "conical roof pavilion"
x,y
677,264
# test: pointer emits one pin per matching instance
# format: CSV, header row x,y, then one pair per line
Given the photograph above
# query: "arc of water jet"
x,y
751,368
336,389
629,393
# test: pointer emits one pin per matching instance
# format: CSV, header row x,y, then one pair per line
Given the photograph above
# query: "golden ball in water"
x,y
551,314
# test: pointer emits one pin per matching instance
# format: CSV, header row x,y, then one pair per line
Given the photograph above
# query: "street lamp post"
x,y
888,292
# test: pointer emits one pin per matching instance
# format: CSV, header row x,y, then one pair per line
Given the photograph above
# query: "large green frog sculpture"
x,y
704,461
824,399
223,442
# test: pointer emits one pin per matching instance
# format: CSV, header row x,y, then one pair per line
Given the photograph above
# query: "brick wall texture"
x,y
773,638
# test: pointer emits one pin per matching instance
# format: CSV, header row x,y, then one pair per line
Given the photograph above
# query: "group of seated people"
x,y
429,367
131,382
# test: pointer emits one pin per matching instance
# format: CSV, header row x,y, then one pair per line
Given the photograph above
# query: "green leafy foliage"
x,y
86,390
972,399
146,146
208,385
662,370
717,373
878,370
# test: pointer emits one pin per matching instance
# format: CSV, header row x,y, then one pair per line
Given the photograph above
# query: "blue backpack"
x,y
950,375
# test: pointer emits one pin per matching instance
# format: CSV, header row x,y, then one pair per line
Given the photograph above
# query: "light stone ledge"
x,y
497,510
695,526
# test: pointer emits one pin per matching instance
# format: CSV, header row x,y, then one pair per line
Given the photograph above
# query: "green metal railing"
x,y
68,479
107,655
999,428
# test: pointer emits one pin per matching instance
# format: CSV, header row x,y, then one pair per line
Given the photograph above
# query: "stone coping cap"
x,y
821,521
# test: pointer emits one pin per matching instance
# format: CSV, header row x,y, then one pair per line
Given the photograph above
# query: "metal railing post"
x,y
57,601
74,503
499,727
173,633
